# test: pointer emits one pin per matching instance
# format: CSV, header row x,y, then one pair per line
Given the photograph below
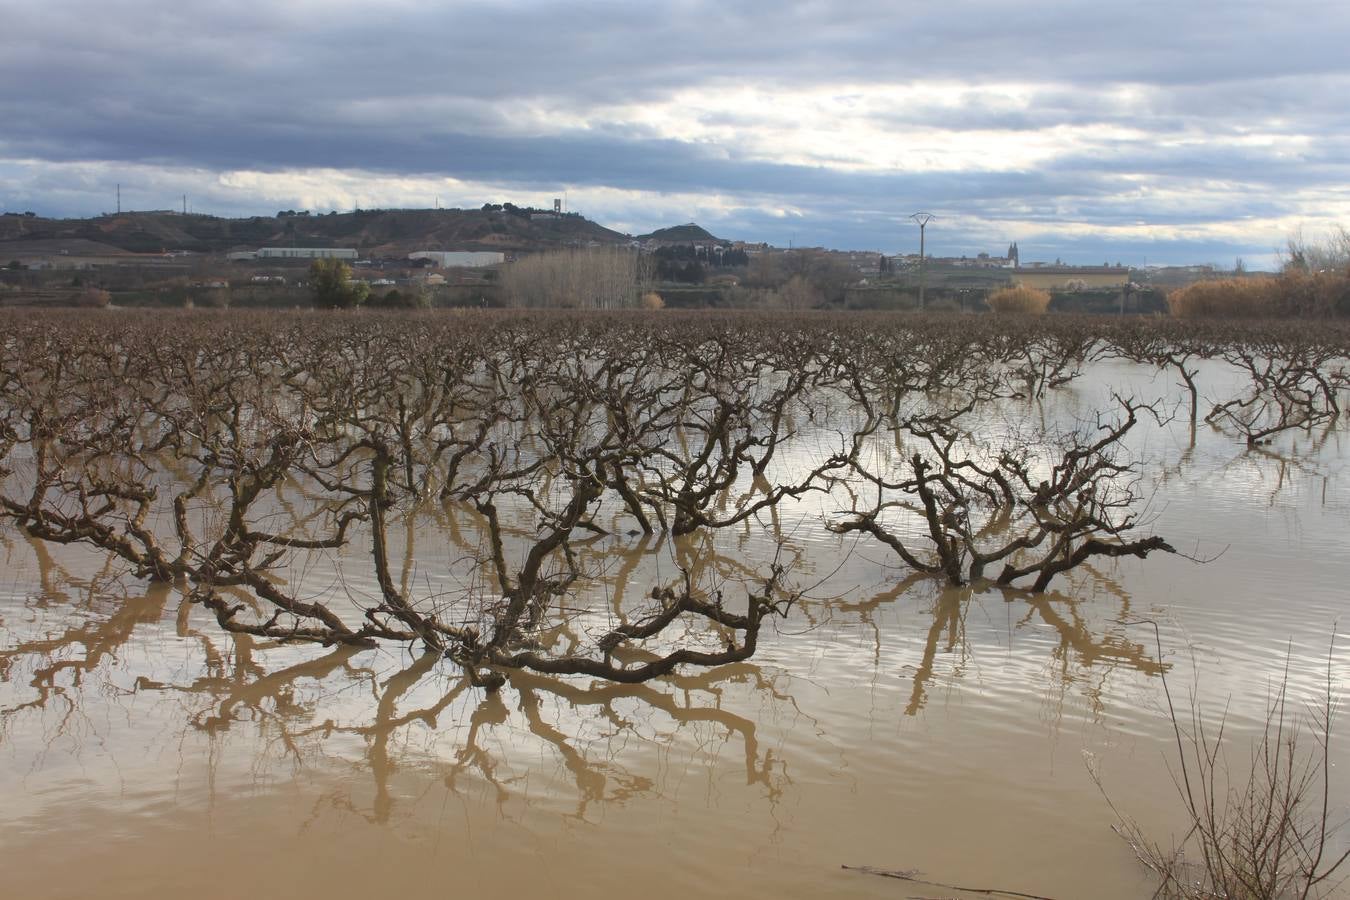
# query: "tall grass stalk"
x,y
1259,831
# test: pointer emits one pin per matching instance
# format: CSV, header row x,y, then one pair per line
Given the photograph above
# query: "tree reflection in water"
x,y
301,707
1089,643
377,717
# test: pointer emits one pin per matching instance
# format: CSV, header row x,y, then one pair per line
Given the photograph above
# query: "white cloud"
x,y
819,120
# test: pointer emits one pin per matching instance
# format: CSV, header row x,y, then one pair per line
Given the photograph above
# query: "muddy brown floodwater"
x,y
890,721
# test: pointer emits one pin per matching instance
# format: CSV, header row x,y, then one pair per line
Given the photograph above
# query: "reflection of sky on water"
x,y
885,712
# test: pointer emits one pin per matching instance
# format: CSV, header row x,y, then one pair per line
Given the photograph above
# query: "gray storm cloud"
x,y
1214,123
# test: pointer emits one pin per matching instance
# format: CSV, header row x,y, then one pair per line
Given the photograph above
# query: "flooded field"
x,y
886,718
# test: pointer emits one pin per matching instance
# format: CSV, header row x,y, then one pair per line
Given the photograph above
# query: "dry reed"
x,y
1019,299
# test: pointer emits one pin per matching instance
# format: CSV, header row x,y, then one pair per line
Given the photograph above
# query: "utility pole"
x,y
923,219
119,199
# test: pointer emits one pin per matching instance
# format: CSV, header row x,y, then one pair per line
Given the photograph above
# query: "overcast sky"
x,y
1158,132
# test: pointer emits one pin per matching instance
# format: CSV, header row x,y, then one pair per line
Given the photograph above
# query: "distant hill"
x,y
373,232
679,234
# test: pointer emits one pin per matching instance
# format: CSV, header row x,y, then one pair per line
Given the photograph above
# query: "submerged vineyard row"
x,y
209,449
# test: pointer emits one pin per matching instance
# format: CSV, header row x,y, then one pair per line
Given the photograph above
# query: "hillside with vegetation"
x,y
374,232
680,234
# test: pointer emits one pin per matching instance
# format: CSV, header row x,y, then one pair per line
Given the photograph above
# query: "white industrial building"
x,y
462,259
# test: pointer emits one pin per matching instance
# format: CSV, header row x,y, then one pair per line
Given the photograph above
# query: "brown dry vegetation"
x,y
595,278
93,298
1292,294
1019,299
1224,298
